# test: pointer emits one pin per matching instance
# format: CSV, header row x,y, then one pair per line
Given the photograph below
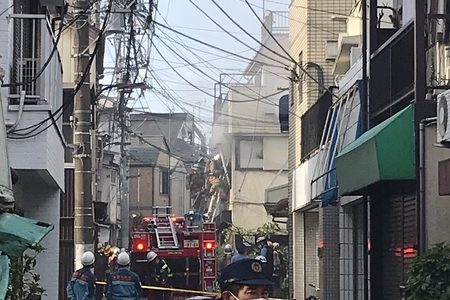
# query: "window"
x,y
163,181
249,153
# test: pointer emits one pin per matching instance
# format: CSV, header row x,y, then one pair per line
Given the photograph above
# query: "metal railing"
x,y
36,65
280,22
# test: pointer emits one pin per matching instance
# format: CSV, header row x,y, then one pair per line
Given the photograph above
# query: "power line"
x,y
251,36
206,44
231,35
285,51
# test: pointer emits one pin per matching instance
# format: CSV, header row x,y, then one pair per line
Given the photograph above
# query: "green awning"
x,y
17,234
385,152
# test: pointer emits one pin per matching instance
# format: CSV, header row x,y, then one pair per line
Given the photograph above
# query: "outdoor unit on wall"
x,y
443,120
331,49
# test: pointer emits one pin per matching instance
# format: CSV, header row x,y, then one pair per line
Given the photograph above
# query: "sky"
x,y
183,16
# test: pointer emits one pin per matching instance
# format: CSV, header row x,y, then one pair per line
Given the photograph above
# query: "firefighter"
x,y
164,275
267,252
243,251
123,284
244,280
82,284
228,251
226,260
100,271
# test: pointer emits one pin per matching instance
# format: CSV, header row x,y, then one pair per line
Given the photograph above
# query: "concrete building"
x,y
396,172
313,38
247,132
35,141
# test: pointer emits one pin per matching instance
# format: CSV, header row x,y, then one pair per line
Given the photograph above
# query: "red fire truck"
x,y
187,244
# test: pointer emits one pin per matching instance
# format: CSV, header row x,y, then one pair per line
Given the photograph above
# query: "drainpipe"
x,y
365,127
421,206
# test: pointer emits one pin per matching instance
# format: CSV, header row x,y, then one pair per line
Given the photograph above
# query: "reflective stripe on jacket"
x,y
82,285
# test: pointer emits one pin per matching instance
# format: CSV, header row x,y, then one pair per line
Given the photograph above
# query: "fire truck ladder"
x,y
215,198
166,235
213,203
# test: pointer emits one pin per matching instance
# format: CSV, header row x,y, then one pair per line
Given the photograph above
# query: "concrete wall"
x,y
436,207
42,202
247,196
141,190
45,152
180,196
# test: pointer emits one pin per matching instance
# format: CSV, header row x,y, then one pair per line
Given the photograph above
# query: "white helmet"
x,y
228,249
151,256
123,250
123,259
88,259
261,259
261,239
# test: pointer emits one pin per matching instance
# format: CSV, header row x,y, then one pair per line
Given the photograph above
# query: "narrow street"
x,y
224,149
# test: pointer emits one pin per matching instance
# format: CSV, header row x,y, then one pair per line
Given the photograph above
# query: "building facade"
x,y
164,147
32,90
246,131
313,37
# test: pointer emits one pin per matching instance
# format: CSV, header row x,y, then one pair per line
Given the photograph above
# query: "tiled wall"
x,y
329,261
306,261
298,260
311,245
351,239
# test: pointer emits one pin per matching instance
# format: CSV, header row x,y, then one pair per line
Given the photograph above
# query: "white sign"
x,y
190,243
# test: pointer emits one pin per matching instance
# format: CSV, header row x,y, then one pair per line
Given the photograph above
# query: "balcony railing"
x,y
36,65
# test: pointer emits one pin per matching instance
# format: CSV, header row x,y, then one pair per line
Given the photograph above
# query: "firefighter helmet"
x,y
151,256
87,259
261,239
261,259
123,259
228,249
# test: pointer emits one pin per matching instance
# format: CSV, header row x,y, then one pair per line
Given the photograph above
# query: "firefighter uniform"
x,y
164,278
82,284
123,284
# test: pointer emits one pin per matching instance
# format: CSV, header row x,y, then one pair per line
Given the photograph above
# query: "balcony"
x,y
33,45
37,91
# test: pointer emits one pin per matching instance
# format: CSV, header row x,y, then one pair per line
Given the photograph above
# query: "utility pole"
x,y
124,200
82,122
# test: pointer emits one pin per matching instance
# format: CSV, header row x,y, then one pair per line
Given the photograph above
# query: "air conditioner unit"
x,y
331,49
443,121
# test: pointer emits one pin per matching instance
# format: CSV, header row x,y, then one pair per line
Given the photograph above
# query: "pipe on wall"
x,y
421,206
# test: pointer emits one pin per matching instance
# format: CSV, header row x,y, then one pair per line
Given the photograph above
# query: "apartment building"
x,y
246,132
314,29
33,90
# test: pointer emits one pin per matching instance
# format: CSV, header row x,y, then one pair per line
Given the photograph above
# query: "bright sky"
x,y
183,16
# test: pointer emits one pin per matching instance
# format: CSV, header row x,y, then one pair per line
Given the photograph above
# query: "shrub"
x,y
428,277
24,281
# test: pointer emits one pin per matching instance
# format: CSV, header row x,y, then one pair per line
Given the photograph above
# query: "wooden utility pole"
x,y
82,123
